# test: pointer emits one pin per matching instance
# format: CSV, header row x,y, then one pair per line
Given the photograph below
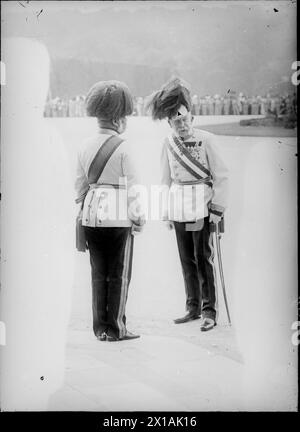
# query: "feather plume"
x,y
166,102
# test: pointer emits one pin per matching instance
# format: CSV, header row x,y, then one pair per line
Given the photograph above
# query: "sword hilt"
x,y
221,227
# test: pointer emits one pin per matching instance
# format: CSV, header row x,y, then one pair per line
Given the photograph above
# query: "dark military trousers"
x,y
111,252
196,255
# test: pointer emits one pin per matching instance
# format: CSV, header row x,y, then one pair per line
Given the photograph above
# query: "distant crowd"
x,y
205,105
57,107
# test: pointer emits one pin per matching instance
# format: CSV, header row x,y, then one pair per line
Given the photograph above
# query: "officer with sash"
x,y
197,180
105,176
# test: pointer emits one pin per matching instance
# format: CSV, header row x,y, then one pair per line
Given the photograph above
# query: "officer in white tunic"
x,y
197,179
109,213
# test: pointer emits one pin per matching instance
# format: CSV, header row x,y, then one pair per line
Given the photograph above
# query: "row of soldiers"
x,y
207,105
235,105
57,107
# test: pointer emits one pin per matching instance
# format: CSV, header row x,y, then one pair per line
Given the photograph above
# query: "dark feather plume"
x,y
166,102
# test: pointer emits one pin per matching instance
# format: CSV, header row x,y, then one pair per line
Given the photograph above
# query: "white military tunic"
x,y
190,199
108,202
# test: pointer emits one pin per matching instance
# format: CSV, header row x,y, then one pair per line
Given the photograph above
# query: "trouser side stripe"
x,y
124,287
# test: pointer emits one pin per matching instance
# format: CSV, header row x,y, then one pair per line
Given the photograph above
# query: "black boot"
x,y
190,316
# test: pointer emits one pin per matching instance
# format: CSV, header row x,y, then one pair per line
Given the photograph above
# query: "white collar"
x,y
107,131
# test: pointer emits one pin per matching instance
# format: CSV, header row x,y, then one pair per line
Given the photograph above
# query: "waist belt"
x,y
207,180
94,201
107,185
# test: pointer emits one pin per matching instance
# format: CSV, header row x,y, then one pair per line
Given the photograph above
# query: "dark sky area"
x,y
216,46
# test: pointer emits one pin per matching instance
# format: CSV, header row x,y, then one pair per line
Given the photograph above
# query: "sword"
x,y
218,230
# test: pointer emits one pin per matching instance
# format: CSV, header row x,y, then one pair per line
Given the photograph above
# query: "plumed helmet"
x,y
109,100
166,102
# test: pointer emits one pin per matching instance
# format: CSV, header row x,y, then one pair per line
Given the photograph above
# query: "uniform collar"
x,y
107,131
192,138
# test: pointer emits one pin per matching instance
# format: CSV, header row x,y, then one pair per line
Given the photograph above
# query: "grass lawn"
x,y
234,129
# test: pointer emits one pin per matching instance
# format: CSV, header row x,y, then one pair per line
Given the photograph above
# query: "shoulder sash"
x,y
182,155
102,157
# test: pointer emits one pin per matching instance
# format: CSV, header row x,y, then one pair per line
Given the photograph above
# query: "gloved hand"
x,y
214,218
136,229
169,225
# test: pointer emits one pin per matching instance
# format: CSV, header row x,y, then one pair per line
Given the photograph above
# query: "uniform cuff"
x,y
81,197
216,209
